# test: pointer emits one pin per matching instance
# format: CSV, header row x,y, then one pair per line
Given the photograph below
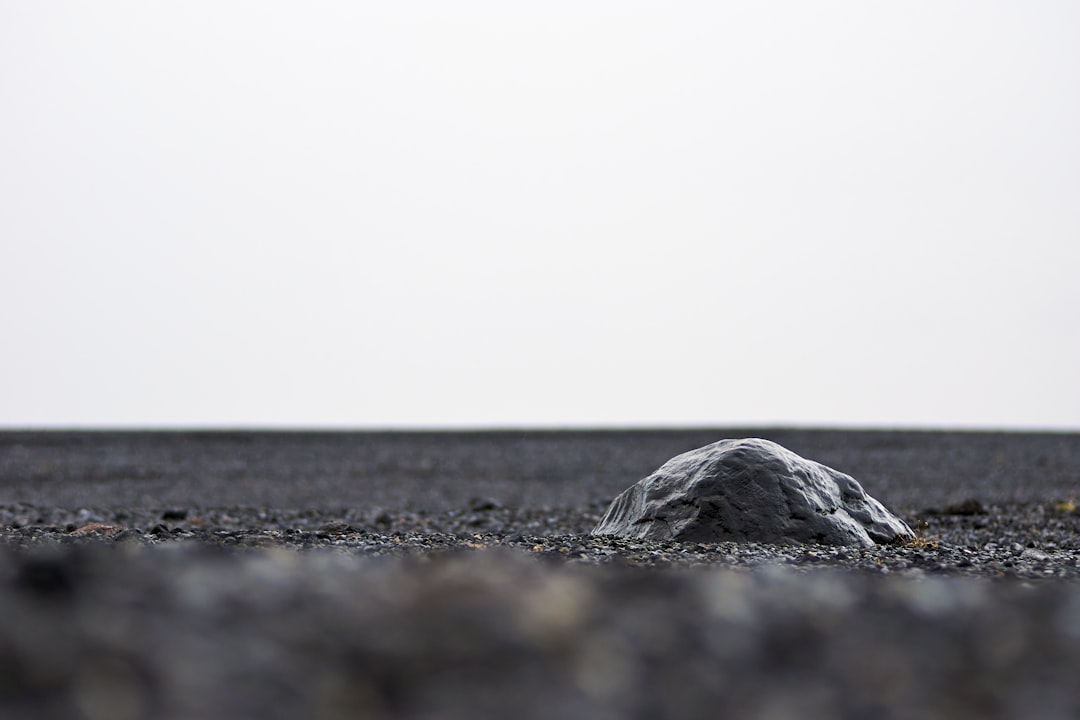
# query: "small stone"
x,y
98,529
483,504
750,490
968,507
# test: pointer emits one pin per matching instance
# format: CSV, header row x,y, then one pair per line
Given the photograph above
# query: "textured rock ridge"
x,y
750,490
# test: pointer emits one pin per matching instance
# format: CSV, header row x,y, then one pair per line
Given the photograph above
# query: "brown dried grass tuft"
x,y
922,539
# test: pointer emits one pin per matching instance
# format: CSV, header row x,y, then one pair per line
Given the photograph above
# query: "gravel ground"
x,y
446,575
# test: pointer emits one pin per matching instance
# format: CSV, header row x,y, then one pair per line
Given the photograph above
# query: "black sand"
x,y
451,575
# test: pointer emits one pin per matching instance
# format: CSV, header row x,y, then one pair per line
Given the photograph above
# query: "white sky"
x,y
564,213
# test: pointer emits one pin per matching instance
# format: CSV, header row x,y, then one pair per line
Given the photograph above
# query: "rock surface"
x,y
424,575
750,490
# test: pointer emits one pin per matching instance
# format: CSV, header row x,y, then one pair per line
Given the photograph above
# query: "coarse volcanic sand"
x,y
446,575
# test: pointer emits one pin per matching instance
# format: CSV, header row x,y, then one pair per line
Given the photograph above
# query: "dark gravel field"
x,y
451,575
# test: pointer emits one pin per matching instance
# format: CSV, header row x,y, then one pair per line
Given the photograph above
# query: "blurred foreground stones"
x,y
183,630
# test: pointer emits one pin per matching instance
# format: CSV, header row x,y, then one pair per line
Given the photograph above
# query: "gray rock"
x,y
750,490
